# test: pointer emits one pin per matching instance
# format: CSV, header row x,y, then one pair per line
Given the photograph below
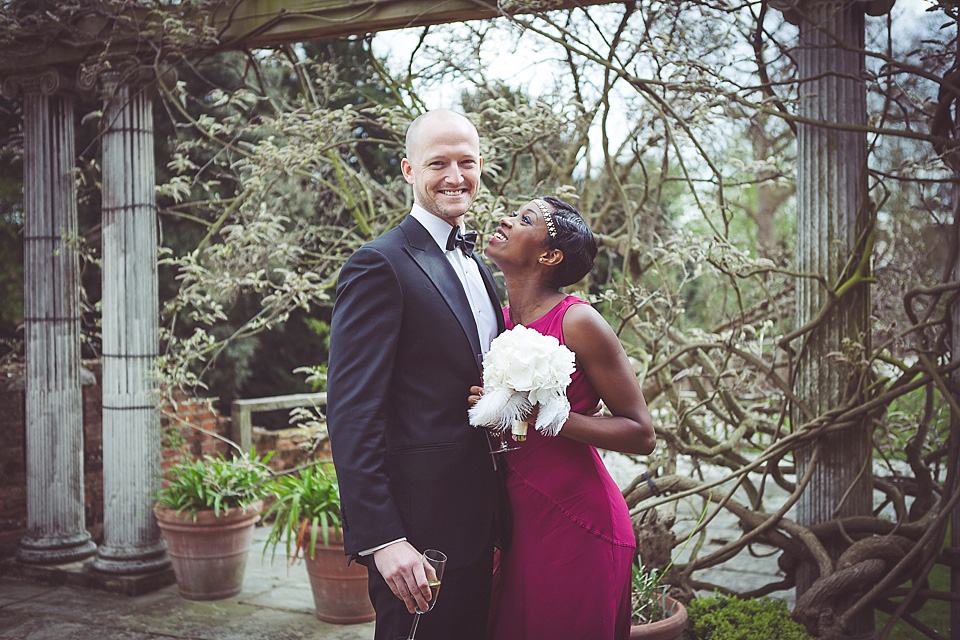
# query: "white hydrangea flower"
x,y
523,369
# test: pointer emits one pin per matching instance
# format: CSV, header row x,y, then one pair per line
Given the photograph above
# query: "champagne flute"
x,y
434,561
518,433
504,445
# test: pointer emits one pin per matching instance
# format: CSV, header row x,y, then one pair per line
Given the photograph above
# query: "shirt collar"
x,y
438,228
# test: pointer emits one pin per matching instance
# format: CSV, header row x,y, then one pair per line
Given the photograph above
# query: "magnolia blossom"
x,y
523,369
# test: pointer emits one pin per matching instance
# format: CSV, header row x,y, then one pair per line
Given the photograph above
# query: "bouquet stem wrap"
x,y
524,369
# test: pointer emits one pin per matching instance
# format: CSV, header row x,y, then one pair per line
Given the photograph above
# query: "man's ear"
x,y
551,258
407,170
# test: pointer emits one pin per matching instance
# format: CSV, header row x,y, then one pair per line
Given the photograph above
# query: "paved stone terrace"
x,y
275,604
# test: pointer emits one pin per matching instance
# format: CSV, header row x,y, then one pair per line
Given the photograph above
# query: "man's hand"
x,y
401,565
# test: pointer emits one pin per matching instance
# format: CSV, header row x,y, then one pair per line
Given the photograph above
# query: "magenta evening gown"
x,y
567,573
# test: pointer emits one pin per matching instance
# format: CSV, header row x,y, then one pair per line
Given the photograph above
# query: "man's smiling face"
x,y
443,165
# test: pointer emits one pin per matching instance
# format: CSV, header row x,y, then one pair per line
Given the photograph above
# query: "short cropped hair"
x,y
575,239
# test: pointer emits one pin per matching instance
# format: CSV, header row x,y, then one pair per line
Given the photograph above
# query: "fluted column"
x,y
131,426
833,219
56,531
954,354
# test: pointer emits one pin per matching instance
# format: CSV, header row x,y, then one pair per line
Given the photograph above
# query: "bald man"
x,y
414,313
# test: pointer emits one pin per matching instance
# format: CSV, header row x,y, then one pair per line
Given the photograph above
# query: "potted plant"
x,y
206,510
654,614
306,517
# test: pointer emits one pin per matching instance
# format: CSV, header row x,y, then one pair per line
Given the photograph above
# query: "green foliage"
x,y
728,618
11,278
263,222
922,406
215,482
11,249
307,504
316,375
648,604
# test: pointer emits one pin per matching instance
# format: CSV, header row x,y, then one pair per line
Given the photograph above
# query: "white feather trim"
x,y
498,408
552,415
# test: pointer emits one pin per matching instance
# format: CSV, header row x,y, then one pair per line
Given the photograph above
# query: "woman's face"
x,y
519,238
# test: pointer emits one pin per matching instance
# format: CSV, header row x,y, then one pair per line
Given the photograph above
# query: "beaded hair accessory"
x,y
547,216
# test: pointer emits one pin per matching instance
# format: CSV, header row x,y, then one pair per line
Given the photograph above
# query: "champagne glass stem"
x,y
413,629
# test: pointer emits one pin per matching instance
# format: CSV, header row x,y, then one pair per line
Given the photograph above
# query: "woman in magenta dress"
x,y
566,575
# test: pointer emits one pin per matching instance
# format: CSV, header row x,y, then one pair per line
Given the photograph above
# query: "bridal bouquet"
x,y
524,369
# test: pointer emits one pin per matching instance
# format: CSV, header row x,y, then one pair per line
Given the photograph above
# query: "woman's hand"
x,y
475,394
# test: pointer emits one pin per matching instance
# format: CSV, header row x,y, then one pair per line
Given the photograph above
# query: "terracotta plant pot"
x,y
667,629
209,552
339,591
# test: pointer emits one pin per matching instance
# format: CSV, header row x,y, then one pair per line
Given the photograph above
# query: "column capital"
x,y
47,81
794,10
109,80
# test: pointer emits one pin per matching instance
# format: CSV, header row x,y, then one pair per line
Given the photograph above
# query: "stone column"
x,y
131,426
955,376
56,531
834,216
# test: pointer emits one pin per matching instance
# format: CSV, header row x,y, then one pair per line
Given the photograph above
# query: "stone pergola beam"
x,y
267,23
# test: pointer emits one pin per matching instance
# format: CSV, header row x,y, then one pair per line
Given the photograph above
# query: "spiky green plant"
x,y
214,482
307,505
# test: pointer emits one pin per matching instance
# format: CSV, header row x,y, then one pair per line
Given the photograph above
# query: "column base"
x,y
131,561
55,550
80,574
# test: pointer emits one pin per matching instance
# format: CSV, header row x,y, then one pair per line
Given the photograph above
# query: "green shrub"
x,y
214,482
728,618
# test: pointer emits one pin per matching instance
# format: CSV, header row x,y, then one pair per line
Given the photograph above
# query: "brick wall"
x,y
13,473
291,447
92,457
191,428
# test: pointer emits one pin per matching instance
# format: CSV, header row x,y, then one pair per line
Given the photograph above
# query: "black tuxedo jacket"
x,y
404,353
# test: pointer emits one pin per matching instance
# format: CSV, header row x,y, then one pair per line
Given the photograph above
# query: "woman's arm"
x,y
601,357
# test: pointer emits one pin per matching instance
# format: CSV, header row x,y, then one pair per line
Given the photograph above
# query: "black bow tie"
x,y
466,241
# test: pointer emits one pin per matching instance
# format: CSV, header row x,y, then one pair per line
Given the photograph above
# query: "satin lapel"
x,y
491,286
427,255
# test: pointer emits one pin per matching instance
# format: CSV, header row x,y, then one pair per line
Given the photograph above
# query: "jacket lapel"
x,y
425,252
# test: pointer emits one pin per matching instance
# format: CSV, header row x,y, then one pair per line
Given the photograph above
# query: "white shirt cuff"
x,y
367,552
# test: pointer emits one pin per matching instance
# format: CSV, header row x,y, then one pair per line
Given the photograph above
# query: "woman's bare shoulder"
x,y
585,328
